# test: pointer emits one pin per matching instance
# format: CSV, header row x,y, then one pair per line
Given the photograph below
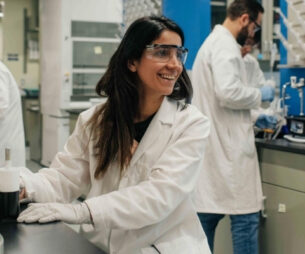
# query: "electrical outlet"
x,y
282,208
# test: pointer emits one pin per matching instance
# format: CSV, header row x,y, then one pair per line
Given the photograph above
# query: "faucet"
x,y
301,95
284,97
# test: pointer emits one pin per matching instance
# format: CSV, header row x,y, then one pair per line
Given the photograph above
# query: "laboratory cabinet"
x,y
76,47
282,227
283,230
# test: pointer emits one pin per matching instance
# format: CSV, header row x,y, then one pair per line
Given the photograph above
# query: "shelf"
x,y
284,66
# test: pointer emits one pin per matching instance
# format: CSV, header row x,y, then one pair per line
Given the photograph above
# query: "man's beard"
x,y
242,36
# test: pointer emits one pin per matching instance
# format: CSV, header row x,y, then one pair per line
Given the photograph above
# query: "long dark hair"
x,y
112,125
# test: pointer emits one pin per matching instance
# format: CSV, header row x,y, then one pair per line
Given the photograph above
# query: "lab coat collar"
x,y
222,29
165,113
156,130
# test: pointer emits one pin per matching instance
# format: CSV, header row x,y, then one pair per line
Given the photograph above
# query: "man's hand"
x,y
267,92
266,122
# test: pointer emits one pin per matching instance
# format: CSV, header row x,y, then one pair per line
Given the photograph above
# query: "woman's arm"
x,y
68,176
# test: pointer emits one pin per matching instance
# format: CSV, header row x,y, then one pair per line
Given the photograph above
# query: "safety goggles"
x,y
257,26
163,52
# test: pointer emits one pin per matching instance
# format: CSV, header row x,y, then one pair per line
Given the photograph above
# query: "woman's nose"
x,y
174,61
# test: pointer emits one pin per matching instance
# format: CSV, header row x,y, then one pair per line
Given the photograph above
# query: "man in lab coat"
x,y
11,123
230,182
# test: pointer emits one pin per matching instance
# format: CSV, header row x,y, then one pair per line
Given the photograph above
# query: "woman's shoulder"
x,y
87,114
189,113
188,119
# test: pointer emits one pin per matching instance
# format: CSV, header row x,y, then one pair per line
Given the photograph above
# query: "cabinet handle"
x,y
264,212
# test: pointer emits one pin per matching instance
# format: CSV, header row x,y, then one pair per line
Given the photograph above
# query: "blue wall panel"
x,y
194,17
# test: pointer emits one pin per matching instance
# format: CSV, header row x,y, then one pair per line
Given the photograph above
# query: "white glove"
x,y
47,212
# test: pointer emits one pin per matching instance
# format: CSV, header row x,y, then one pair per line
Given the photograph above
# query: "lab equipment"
x,y
294,84
295,123
267,93
268,134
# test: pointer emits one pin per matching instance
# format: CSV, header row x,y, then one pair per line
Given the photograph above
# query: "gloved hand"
x,y
267,93
266,122
47,212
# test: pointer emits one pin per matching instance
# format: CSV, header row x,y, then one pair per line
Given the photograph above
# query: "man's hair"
x,y
240,7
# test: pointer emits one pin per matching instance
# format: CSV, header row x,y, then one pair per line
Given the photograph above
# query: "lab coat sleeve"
x,y
172,179
255,76
68,176
261,81
4,93
255,114
229,88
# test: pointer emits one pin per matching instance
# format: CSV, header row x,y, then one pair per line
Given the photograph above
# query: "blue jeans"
x,y
244,228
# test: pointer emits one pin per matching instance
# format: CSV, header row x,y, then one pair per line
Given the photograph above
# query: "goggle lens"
x,y
163,53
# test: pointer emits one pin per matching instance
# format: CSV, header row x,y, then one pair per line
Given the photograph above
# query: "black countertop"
x,y
281,145
44,238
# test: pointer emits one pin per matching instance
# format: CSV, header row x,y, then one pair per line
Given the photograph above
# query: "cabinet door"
x,y
283,231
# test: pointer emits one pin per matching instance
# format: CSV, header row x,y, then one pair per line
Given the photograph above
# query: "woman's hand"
x,y
47,212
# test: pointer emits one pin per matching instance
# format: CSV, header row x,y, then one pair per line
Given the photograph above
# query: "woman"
x,y
137,157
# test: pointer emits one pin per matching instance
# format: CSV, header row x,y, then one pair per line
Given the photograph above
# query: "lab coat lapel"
x,y
156,130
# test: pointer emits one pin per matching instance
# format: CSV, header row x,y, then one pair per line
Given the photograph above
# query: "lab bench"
x,y
282,228
47,238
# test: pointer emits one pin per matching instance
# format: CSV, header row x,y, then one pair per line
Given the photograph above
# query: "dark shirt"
x,y
141,127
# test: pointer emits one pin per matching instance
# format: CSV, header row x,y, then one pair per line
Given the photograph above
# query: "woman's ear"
x,y
132,66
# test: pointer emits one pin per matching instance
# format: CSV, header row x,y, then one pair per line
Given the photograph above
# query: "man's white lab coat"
x,y
230,179
11,122
151,202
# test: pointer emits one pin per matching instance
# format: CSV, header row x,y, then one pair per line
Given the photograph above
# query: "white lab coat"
x,y
151,203
256,78
230,179
11,122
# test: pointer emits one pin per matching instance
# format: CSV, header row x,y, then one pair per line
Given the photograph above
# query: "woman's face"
x,y
159,67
